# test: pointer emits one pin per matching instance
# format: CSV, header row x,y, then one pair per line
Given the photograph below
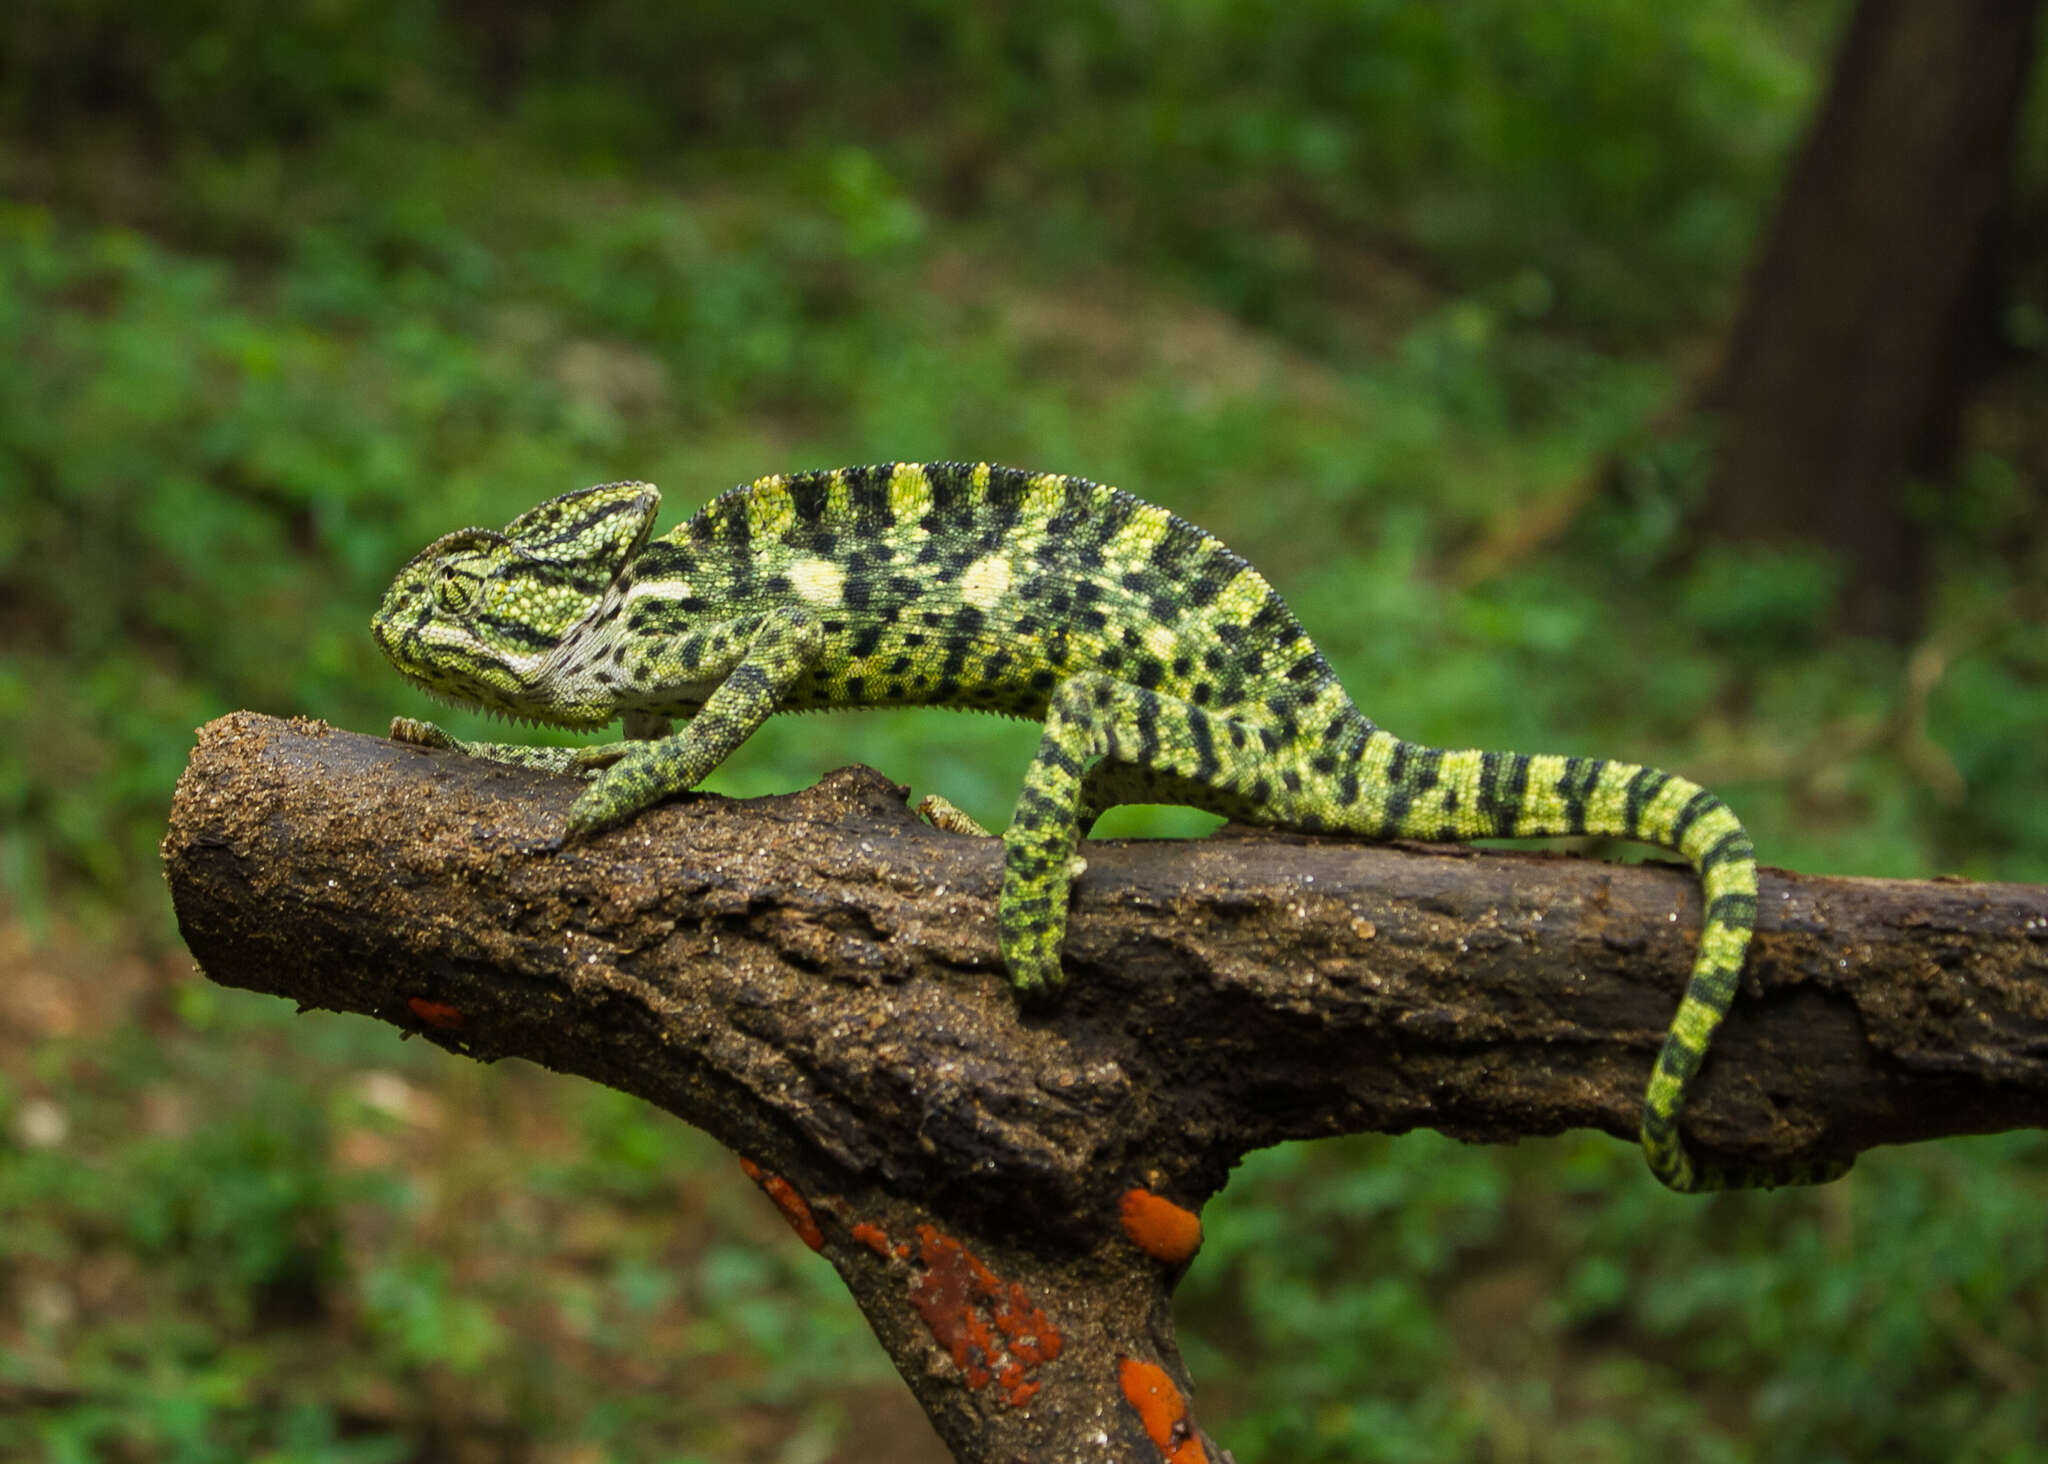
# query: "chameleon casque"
x,y
1163,667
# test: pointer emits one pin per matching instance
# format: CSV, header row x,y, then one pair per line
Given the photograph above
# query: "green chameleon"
x,y
1164,668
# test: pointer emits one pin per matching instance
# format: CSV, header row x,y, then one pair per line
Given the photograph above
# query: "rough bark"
x,y
1871,301
814,980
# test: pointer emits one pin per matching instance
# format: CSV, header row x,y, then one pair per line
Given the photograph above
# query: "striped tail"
x,y
1434,794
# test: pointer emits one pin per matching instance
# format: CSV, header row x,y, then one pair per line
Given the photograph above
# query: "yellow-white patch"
x,y
1607,809
1378,755
1132,545
1460,770
1694,1026
1241,599
770,509
1044,495
910,494
986,581
1161,642
1542,804
1660,816
819,581
658,589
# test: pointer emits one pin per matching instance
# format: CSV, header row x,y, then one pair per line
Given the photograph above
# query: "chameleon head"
x,y
479,617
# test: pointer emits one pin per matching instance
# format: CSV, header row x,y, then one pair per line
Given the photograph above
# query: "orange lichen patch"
x,y
1161,1409
789,1202
1159,1227
435,1013
991,1330
874,1239
1016,1392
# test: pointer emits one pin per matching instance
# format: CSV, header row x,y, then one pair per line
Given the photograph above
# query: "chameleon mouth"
x,y
470,687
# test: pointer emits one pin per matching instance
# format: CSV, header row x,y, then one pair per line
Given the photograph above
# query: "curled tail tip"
x,y
1666,1156
1679,1172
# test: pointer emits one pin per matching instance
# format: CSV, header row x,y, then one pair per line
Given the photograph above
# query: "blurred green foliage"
x,y
1370,288
1544,1304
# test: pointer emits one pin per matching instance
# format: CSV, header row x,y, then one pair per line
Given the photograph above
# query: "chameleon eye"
x,y
453,592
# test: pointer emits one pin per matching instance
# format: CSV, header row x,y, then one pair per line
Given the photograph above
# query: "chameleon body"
x,y
1163,667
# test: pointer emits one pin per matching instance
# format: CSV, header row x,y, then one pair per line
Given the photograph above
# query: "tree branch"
x,y
814,980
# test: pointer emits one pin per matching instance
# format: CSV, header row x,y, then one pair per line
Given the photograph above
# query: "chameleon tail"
x,y
1676,813
1435,794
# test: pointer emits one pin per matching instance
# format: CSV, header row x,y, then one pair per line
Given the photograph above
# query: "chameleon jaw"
x,y
501,709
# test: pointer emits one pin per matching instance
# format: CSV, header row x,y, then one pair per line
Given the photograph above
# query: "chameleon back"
x,y
968,585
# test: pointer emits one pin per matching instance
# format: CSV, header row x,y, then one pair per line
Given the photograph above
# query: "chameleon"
x,y
1163,667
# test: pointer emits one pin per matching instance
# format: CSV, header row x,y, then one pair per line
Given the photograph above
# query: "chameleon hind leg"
x,y
1102,736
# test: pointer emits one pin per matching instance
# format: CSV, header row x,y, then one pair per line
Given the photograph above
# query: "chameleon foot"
x,y
942,815
421,734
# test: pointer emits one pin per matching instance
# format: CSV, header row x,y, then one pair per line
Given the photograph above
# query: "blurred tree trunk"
x,y
1871,305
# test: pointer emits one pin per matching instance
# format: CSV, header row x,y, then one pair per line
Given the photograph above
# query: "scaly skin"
x,y
1163,667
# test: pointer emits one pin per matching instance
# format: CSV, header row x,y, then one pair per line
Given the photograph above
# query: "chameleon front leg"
x,y
765,657
1095,718
584,761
